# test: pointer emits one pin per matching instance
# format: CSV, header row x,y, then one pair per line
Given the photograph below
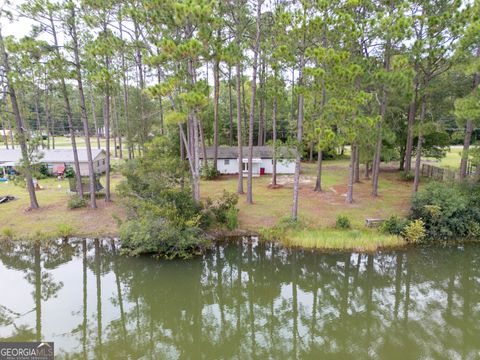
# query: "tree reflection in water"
x,y
244,300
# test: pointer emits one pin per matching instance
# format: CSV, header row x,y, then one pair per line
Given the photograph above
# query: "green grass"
x,y
54,219
333,239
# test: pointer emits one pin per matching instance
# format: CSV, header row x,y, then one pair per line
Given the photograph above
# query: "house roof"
x,y
49,156
264,152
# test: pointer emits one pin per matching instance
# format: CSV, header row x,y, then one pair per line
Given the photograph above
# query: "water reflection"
x,y
243,300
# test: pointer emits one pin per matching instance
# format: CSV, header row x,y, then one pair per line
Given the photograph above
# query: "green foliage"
x,y
220,207
414,231
43,170
7,233
280,230
343,222
407,176
447,210
393,225
163,219
64,231
231,218
69,173
75,202
151,235
209,172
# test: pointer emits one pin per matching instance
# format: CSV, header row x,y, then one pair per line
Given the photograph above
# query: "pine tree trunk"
x,y
261,119
367,173
239,131
115,126
351,174
230,107
20,128
68,111
119,131
466,147
95,123
296,179
357,164
423,110
383,111
412,109
83,108
252,107
125,96
107,143
244,105
318,182
10,129
37,115
195,134
468,129
274,138
216,97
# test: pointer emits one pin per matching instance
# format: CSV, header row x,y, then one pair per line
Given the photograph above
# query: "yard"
x,y
53,215
316,209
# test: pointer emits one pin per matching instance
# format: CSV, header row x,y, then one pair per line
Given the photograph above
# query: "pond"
x,y
244,299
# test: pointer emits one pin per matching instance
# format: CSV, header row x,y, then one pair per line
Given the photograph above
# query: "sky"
x,y
20,27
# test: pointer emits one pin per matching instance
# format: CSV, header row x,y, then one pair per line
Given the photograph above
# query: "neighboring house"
x,y
262,161
56,158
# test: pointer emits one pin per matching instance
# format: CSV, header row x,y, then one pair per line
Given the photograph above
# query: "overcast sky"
x,y
20,26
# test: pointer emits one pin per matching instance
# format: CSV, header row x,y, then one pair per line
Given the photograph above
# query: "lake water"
x,y
242,300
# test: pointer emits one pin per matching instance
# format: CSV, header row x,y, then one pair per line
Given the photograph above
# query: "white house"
x,y
262,162
58,157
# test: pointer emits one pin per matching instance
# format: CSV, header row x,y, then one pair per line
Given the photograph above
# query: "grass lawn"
x,y
53,214
316,209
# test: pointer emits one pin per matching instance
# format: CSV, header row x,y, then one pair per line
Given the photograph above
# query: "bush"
x,y
393,225
447,210
209,172
343,222
220,207
76,202
414,232
280,230
157,236
407,176
43,170
7,233
64,231
69,173
232,219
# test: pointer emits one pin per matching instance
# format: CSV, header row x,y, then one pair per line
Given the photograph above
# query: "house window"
x,y
226,162
245,166
98,163
103,161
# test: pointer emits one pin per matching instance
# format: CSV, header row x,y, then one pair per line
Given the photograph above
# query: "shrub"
x,y
220,207
407,175
76,202
280,230
414,232
232,219
64,231
447,210
393,225
156,236
43,170
69,173
7,233
343,222
209,172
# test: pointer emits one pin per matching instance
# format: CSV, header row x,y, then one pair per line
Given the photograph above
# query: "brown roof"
x,y
263,152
